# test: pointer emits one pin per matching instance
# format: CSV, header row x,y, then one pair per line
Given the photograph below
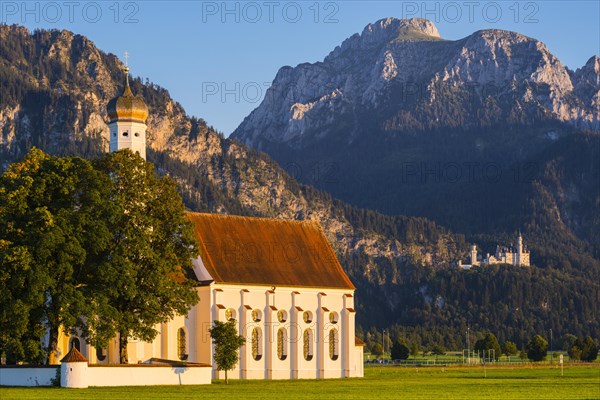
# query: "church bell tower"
x,y
128,114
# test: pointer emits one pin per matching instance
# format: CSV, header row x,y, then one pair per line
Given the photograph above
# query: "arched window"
x,y
333,344
181,344
256,315
282,344
100,354
334,317
282,316
75,342
229,314
308,344
256,344
307,316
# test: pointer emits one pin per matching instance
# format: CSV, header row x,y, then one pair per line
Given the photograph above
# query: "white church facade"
x,y
279,280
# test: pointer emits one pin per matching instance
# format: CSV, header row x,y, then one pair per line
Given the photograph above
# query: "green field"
x,y
581,382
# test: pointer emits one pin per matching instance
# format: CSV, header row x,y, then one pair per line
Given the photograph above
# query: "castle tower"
x,y
518,256
474,255
128,114
523,255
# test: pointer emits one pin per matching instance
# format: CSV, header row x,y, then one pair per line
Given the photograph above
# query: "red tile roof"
x,y
263,251
73,356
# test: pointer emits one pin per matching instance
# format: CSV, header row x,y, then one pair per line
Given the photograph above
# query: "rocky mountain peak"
x,y
592,66
394,28
392,55
586,82
385,32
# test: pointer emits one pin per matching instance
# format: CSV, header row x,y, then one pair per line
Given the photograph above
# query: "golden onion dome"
x,y
127,107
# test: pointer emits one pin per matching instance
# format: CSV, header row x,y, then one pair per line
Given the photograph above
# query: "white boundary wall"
x,y
148,375
130,375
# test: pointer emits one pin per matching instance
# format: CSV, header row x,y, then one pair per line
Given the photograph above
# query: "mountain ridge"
x,y
360,73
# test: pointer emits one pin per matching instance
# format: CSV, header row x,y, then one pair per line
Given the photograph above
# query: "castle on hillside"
x,y
518,256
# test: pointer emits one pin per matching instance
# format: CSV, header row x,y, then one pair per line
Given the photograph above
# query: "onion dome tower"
x,y
128,114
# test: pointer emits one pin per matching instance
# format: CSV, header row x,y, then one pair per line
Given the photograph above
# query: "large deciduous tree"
x,y
143,277
537,348
227,342
568,340
400,351
584,349
510,348
488,344
51,217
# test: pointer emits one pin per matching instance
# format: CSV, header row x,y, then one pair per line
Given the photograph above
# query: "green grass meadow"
x,y
380,382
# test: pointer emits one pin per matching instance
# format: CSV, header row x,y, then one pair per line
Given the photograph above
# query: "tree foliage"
x,y
50,226
377,349
400,351
510,348
143,276
487,343
537,348
584,349
104,247
568,340
227,342
437,305
438,350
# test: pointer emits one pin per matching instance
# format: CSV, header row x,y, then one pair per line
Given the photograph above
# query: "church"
x,y
279,280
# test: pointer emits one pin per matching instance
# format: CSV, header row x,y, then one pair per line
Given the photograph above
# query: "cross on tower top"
x,y
127,67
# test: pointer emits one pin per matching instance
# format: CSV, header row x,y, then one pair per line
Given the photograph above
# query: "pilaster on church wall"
x,y
347,335
295,333
201,325
322,313
294,301
270,334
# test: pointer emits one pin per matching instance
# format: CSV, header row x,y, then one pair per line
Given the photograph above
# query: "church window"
x,y
307,316
333,344
181,344
333,317
229,314
256,315
100,354
256,344
308,344
137,134
125,133
282,316
282,344
75,342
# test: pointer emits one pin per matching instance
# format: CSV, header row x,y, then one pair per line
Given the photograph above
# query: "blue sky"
x,y
218,58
